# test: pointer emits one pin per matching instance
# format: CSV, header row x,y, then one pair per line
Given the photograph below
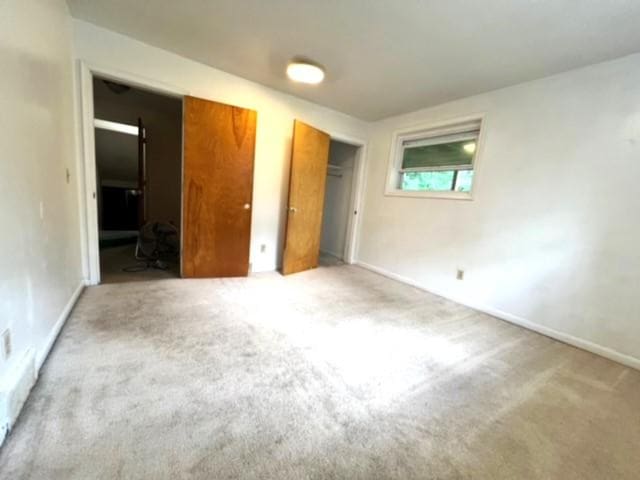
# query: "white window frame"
x,y
424,133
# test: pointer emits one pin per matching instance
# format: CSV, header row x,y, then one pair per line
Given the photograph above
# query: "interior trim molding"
x,y
42,355
83,95
356,201
606,352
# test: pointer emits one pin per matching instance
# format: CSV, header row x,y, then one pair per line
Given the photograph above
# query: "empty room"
x,y
320,240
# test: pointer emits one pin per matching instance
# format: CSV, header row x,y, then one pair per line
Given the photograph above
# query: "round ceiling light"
x,y
305,72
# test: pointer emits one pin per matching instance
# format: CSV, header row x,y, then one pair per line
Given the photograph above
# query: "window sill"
x,y
427,194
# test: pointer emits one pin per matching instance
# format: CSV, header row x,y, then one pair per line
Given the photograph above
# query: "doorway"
x,y
310,170
208,191
338,201
138,152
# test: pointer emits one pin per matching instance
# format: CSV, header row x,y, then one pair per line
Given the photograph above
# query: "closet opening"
x,y
339,203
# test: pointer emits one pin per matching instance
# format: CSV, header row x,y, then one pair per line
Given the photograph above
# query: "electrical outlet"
x,y
6,344
263,248
460,274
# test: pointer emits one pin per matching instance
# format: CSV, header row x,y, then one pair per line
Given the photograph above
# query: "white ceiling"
x,y
383,57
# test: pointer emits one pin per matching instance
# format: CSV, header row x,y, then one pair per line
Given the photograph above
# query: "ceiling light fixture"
x,y
305,72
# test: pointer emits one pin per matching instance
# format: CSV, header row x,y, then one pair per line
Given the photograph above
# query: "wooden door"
x,y
309,159
219,143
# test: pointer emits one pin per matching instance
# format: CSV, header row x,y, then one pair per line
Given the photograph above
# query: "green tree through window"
x,y
438,181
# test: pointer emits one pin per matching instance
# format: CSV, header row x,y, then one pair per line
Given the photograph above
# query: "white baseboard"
x,y
603,351
41,356
261,267
23,377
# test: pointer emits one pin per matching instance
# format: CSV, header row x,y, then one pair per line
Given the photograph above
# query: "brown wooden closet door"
x,y
309,159
219,144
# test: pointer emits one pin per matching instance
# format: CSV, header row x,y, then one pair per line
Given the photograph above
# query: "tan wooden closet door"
x,y
309,159
219,144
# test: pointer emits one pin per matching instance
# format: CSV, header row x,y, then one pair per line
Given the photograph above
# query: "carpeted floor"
x,y
114,260
335,373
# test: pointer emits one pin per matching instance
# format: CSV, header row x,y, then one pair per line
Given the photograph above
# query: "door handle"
x,y
247,206
293,209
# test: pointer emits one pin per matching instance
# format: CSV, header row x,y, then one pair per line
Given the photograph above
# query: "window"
x,y
435,162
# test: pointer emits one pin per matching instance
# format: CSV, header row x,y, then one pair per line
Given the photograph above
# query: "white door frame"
x,y
356,203
88,203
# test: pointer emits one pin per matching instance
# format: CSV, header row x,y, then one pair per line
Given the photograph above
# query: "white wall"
x,y
552,234
337,198
276,112
40,268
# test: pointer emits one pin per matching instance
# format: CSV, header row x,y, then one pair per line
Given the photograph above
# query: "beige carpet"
x,y
335,373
